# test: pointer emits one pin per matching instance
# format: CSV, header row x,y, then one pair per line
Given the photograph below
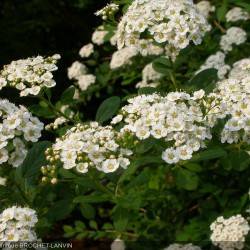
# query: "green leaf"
x,y
240,160
221,11
205,80
146,91
35,159
67,95
193,167
42,111
186,179
120,218
60,210
209,154
87,211
108,109
144,146
162,65
94,198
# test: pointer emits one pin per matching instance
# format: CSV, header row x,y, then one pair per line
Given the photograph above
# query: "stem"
x,y
219,27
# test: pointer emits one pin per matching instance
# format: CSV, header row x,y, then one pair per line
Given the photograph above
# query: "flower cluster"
x,y
176,246
237,14
17,127
177,118
78,72
234,95
122,57
172,25
98,37
86,50
107,11
216,61
30,75
17,224
90,145
229,234
205,8
150,77
234,35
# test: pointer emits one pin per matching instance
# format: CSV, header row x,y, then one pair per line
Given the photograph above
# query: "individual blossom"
x,y
84,81
150,77
90,146
229,234
205,8
122,57
107,11
216,61
237,14
118,244
17,224
76,70
86,50
30,75
176,246
178,118
170,25
3,181
233,36
98,37
17,128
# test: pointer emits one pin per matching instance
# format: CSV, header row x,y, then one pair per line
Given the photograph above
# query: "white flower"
x,y
84,81
3,182
99,35
86,50
170,156
17,224
76,70
170,25
110,165
116,119
30,75
82,167
234,35
92,145
118,244
205,8
122,57
176,246
237,14
229,233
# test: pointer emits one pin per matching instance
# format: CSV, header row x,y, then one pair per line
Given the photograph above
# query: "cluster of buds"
x,y
49,174
107,11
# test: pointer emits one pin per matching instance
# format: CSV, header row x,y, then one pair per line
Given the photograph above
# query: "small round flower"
x,y
86,50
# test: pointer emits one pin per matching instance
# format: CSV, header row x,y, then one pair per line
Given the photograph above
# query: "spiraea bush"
x,y
164,163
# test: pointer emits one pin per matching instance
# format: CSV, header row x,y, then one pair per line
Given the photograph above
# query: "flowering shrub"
x,y
163,160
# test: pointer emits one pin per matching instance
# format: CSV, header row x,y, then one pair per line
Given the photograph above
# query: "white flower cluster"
x,y
205,8
30,75
216,61
233,36
234,95
87,146
78,72
122,57
86,50
177,118
172,25
150,77
3,181
237,14
107,11
98,37
17,224
229,234
176,246
17,127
